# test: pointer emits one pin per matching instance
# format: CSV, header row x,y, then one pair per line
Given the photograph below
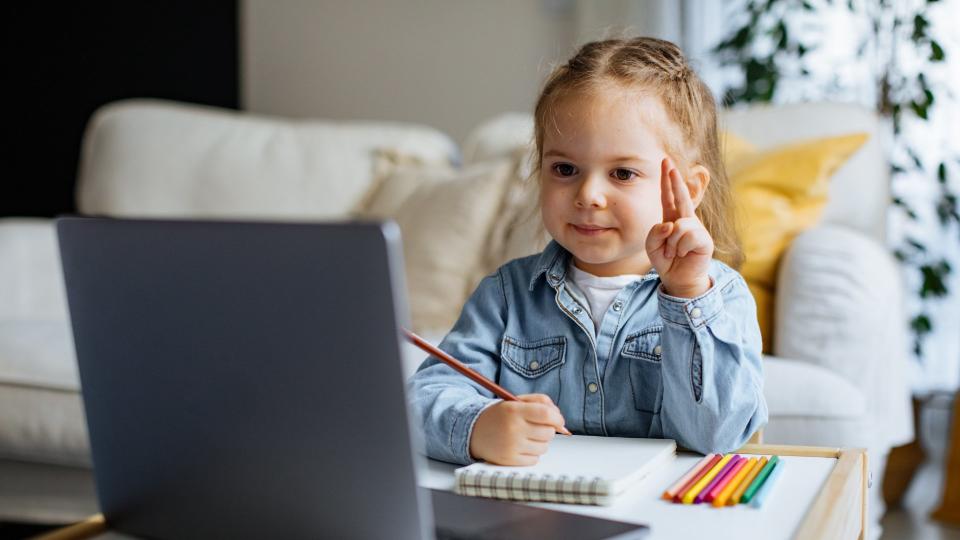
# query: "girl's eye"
x,y
564,169
624,174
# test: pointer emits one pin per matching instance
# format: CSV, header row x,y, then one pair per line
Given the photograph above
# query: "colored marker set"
x,y
726,480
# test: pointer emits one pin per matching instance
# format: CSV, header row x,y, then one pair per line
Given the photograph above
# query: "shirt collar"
x,y
552,262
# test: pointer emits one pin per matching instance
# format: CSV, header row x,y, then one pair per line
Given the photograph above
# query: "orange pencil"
x,y
747,480
463,369
675,488
721,499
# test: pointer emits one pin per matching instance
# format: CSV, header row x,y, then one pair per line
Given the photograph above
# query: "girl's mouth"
x,y
590,230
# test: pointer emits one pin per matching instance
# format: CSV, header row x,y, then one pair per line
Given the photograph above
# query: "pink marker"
x,y
717,479
715,492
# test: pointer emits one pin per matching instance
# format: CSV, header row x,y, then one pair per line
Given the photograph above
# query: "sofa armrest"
x,y
840,306
31,282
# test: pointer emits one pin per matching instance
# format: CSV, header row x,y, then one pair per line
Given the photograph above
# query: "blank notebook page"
x,y
578,469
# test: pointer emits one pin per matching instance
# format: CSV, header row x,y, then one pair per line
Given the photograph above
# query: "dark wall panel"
x,y
62,60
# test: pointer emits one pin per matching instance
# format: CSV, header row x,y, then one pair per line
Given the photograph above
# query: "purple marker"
x,y
717,479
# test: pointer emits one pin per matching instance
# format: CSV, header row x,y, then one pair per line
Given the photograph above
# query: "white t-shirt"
x,y
598,292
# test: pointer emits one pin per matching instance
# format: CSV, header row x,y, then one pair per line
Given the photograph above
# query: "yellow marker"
x,y
747,480
698,487
721,499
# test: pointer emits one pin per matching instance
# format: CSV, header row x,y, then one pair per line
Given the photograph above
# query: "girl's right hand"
x,y
516,432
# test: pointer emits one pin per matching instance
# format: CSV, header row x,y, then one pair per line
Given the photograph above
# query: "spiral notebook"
x,y
577,470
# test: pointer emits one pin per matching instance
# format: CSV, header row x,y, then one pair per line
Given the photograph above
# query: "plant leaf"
x,y
936,52
933,279
921,324
920,25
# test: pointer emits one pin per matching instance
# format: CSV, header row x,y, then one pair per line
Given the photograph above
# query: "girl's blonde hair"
x,y
658,68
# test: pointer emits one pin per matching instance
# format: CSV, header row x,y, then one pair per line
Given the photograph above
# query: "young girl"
x,y
625,325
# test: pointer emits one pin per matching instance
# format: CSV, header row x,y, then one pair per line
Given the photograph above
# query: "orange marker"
x,y
747,480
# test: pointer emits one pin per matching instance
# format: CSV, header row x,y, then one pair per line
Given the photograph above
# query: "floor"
x,y
911,520
15,531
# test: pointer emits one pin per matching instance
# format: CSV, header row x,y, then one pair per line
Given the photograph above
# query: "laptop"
x,y
244,380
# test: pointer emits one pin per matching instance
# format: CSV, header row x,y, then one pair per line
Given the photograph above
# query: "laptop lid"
x,y
244,380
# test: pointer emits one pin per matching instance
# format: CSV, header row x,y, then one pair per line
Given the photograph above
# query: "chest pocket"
x,y
533,366
642,353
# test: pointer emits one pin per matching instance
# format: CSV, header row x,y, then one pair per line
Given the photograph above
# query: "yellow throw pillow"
x,y
779,193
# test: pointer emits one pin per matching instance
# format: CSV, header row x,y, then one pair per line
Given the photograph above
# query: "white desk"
x,y
820,494
810,475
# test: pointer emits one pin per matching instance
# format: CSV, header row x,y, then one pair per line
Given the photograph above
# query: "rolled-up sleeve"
x,y
447,404
711,367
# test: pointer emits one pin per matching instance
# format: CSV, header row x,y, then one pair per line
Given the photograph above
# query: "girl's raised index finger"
x,y
681,195
667,199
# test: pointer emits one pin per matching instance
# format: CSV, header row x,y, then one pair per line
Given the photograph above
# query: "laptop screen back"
x,y
244,380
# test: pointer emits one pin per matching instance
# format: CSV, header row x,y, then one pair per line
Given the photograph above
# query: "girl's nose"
x,y
590,194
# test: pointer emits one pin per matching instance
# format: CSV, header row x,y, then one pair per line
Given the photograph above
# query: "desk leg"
x,y
949,511
91,526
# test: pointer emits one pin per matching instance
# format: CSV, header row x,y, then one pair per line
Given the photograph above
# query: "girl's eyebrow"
x,y
558,153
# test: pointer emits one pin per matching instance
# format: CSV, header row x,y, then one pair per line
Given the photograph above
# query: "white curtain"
x,y
694,25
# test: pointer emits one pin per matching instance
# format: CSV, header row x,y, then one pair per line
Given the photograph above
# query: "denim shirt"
x,y
658,366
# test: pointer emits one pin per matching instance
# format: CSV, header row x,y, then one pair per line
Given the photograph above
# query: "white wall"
x,y
447,63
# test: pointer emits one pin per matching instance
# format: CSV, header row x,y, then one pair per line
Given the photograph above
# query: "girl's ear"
x,y
697,181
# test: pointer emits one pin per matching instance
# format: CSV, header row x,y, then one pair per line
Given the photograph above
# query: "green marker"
x,y
758,481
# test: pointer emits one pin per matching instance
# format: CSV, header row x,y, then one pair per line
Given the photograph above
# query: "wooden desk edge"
x,y
823,520
842,498
91,526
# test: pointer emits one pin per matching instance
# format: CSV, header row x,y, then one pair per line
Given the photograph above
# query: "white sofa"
x,y
837,377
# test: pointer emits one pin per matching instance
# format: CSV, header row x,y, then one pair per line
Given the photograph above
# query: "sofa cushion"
x,y
41,414
498,137
43,425
518,230
445,215
795,388
39,354
840,307
150,158
46,494
31,283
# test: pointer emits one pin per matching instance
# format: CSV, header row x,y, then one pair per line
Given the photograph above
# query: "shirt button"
x,y
577,310
618,305
534,364
656,350
592,387
555,276
695,312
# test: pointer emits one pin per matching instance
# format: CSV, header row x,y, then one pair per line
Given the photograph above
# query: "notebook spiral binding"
x,y
530,487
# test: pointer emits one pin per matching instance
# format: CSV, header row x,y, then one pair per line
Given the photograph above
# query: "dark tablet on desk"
x,y
460,517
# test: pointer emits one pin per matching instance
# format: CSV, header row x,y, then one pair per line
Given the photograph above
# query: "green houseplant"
x,y
772,44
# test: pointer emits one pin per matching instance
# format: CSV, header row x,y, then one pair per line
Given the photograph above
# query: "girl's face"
x,y
600,178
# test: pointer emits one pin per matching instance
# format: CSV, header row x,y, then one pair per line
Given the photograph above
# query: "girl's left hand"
x,y
680,248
